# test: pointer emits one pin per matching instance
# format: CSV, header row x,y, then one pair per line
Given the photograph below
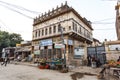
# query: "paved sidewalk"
x,y
25,63
29,64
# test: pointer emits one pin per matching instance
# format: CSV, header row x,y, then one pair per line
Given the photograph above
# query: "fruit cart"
x,y
114,69
55,63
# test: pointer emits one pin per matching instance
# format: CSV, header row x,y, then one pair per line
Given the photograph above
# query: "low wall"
x,y
113,55
78,62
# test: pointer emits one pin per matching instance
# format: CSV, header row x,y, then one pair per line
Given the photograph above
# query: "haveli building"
x,y
62,23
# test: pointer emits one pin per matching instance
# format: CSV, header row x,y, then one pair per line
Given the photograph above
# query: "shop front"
x,y
54,49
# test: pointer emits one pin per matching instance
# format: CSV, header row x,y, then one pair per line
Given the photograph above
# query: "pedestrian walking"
x,y
5,61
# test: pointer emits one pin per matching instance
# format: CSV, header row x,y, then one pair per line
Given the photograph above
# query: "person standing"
x,y
118,59
89,60
93,61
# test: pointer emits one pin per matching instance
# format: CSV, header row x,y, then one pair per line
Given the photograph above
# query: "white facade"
x,y
77,32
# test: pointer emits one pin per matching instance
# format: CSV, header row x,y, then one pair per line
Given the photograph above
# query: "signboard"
x,y
65,41
115,47
18,45
41,48
36,47
37,52
46,42
70,42
79,51
59,46
49,47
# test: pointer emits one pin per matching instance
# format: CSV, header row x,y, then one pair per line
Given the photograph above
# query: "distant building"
x,y
96,42
47,38
112,49
9,51
23,49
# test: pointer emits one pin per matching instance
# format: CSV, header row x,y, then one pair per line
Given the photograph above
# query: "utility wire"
x,y
16,11
5,27
106,29
19,7
104,20
109,0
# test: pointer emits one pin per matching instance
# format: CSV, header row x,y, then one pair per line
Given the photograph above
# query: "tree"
x,y
9,40
4,39
15,38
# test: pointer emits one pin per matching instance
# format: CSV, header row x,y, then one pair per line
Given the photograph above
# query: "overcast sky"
x,y
100,12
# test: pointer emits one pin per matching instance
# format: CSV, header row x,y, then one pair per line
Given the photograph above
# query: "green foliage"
x,y
9,40
14,38
4,39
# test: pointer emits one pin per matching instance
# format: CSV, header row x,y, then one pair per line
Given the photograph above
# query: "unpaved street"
x,y
21,72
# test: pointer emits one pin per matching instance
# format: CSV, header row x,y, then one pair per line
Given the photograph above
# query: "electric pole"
x,y
62,38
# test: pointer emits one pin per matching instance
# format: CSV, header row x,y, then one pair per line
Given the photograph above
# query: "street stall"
x,y
54,64
114,68
50,64
52,55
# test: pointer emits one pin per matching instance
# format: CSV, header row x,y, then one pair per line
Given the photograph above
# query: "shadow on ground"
x,y
78,75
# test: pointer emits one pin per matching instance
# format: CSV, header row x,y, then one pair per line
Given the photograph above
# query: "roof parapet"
x,y
51,13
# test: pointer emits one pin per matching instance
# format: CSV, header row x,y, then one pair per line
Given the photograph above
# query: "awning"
x,y
23,50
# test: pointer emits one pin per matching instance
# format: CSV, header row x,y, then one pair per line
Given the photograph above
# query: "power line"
x,y
5,26
104,20
16,11
109,0
106,29
19,7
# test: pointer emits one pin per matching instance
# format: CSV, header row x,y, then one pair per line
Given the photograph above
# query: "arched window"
x,y
46,31
59,28
80,29
42,32
33,34
50,30
73,25
69,27
54,29
36,34
39,33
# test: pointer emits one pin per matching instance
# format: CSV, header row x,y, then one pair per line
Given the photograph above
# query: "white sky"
x,y
93,10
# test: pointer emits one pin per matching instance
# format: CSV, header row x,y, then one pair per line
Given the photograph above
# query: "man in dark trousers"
x,y
89,60
5,60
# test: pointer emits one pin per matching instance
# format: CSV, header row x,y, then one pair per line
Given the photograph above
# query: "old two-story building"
x,y
61,31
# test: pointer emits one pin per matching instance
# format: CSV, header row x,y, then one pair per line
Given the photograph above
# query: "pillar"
x,y
85,47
